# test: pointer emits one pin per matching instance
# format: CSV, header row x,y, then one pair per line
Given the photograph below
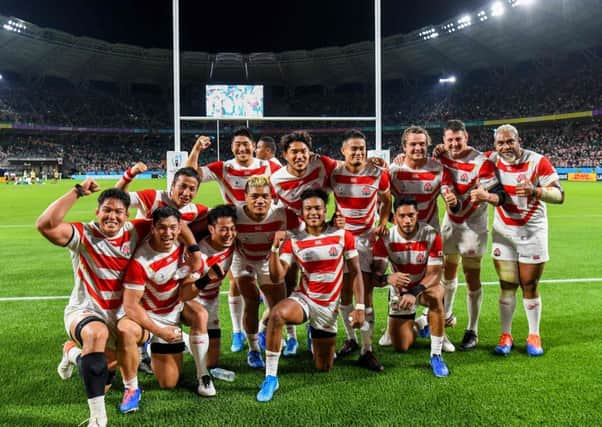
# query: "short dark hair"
x,y
296,136
269,142
187,171
354,133
455,126
315,192
165,212
115,193
405,201
243,131
221,211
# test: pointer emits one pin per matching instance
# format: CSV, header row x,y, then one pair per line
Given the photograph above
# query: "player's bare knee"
x,y
129,332
96,335
402,347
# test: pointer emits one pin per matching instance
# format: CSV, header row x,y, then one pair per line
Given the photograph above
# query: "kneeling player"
x,y
321,252
152,301
415,251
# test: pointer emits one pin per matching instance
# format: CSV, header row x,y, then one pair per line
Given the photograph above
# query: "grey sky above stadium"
x,y
235,26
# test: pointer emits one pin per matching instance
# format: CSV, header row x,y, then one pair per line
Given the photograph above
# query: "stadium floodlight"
x,y
447,80
497,9
522,3
1,77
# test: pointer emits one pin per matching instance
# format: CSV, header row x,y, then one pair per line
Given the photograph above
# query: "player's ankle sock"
x,y
236,307
97,408
199,345
132,383
473,302
367,334
345,311
94,371
533,310
253,342
291,331
507,305
271,362
451,287
74,354
436,345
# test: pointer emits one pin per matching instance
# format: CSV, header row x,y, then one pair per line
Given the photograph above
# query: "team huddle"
x,y
137,282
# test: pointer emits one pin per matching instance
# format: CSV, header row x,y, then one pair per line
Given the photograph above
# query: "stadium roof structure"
x,y
501,33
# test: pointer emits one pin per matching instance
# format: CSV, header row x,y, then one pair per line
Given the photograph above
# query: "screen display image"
x,y
234,100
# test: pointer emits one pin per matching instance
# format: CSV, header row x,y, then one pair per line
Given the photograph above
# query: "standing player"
x,y
266,149
416,254
359,187
219,248
153,302
100,252
232,176
257,221
303,171
464,231
424,179
321,252
520,232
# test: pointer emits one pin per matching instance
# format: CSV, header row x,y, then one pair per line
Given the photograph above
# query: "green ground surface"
x,y
560,388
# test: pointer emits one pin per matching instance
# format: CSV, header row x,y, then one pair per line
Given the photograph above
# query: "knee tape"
x,y
452,259
508,272
471,263
94,371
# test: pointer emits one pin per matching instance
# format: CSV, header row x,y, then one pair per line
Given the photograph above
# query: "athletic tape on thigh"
x,y
452,259
471,263
508,271
319,333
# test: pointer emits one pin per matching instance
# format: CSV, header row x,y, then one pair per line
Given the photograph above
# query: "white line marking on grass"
x,y
579,280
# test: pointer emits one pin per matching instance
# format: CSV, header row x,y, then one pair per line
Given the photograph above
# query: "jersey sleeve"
x,y
349,248
76,238
143,200
286,252
436,251
487,177
142,227
385,182
379,251
546,173
135,276
447,181
274,166
212,172
293,222
329,164
201,212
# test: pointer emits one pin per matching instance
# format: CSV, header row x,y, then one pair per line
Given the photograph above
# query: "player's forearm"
x,y
379,268
188,291
277,268
138,314
357,280
551,194
385,210
193,160
54,214
186,236
432,276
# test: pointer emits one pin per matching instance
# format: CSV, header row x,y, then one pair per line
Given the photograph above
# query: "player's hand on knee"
x,y
399,280
170,333
407,301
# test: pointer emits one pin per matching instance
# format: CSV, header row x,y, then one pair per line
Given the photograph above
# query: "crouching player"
x,y
321,252
416,254
153,303
100,251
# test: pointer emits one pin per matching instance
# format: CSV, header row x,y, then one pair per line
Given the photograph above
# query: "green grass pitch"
x,y
561,388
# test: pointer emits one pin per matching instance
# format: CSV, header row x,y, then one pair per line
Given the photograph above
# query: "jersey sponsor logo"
x,y
126,250
497,252
333,252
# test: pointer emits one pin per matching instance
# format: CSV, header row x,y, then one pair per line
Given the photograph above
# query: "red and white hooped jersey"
x,y
356,195
289,187
99,263
411,256
322,261
147,201
467,174
256,238
424,184
529,167
232,177
153,272
213,257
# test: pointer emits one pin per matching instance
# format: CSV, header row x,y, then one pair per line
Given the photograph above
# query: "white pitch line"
x,y
579,280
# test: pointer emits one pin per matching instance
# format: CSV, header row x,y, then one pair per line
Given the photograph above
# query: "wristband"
x,y
127,175
194,248
417,290
361,307
275,250
79,190
202,282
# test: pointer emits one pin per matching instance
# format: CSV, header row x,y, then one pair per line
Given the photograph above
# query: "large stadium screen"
x,y
234,100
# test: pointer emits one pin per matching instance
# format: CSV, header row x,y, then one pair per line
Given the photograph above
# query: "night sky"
x,y
231,26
